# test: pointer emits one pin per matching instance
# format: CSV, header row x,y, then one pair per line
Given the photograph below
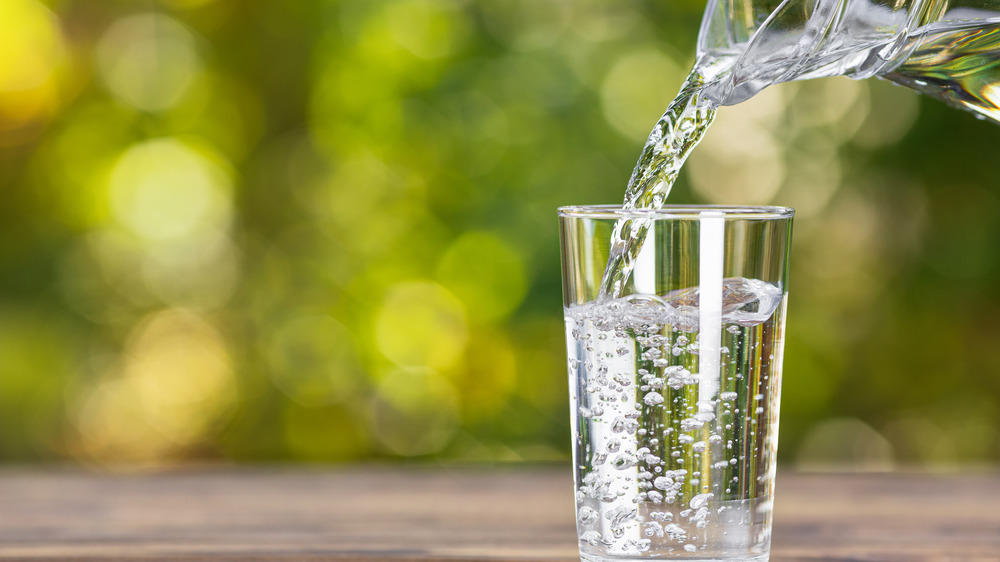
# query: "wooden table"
x,y
406,513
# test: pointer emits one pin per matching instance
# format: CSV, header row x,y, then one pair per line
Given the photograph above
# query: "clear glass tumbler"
x,y
675,383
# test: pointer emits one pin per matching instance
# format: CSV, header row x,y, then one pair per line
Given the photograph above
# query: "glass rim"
x,y
679,212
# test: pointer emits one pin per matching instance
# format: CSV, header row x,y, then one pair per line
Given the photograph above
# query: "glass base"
x,y
593,558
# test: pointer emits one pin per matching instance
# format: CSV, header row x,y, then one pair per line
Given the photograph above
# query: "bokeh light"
x,y
163,190
414,412
633,91
172,388
148,60
421,324
30,45
33,50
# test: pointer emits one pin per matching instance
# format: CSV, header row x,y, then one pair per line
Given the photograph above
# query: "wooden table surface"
x,y
425,514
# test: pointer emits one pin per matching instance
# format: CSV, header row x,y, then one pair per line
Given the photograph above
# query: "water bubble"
x,y
652,529
593,538
678,376
654,496
690,424
715,438
674,531
620,515
663,516
622,425
733,329
699,447
663,482
622,379
652,398
685,439
690,548
623,461
614,444
587,515
700,500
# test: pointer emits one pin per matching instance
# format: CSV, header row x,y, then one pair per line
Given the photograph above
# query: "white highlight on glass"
x,y
711,257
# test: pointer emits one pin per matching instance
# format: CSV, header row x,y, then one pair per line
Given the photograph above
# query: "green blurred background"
x,y
247,230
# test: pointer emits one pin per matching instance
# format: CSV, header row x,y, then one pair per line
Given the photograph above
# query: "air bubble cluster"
x,y
662,445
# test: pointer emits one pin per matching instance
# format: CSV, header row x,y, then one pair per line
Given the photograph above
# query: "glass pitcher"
x,y
948,49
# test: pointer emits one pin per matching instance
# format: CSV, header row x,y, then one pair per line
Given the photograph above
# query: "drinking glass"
x,y
675,382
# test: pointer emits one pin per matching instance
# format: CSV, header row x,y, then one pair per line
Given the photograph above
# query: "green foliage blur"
x,y
325,230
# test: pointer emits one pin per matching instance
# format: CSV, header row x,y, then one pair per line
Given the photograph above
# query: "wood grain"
x,y
400,514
